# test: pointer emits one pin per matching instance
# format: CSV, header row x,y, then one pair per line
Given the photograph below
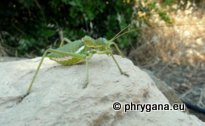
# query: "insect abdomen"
x,y
68,60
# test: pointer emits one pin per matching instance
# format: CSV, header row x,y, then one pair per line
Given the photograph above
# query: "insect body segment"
x,y
99,46
100,43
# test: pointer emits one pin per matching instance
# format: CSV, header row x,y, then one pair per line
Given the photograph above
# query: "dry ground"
x,y
176,54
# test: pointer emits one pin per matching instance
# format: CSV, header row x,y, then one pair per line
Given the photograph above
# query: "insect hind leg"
x,y
38,68
34,77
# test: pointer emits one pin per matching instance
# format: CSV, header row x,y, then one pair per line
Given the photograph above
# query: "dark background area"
x,y
31,26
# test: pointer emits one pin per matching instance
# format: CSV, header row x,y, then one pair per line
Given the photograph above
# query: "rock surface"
x,y
58,99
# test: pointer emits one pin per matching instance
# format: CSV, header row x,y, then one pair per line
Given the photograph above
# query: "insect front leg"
x,y
118,66
117,48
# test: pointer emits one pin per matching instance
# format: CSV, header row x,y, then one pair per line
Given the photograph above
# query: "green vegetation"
x,y
29,27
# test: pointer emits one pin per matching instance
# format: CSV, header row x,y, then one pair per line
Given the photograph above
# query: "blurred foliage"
x,y
29,27
147,8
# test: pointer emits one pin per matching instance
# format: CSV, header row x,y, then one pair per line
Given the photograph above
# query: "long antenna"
x,y
122,32
116,36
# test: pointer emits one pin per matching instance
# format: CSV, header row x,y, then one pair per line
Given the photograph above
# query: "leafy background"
x,y
29,27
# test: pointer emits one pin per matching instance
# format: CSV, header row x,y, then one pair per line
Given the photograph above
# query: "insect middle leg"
x,y
87,74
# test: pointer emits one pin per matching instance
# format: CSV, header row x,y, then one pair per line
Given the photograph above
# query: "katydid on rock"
x,y
80,51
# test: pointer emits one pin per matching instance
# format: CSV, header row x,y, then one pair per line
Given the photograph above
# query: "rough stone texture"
x,y
57,98
9,59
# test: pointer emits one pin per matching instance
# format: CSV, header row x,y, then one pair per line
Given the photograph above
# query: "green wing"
x,y
68,55
70,47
